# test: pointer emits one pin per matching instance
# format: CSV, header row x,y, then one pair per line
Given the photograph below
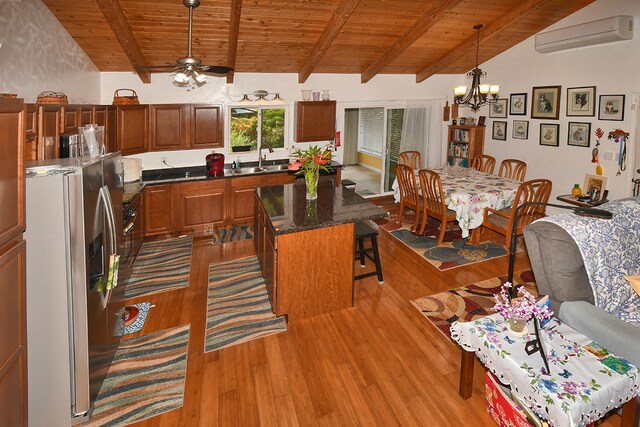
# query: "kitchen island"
x,y
306,248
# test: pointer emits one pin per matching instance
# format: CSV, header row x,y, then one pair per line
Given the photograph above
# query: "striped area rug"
x,y
238,307
145,379
232,234
160,266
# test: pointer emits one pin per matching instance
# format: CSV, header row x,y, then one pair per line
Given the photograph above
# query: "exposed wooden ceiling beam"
x,y
234,29
428,19
339,18
115,17
488,31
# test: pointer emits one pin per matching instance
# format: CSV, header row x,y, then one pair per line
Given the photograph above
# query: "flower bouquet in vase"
x,y
517,311
310,162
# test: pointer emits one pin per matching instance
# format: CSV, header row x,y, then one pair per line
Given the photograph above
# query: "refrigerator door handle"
x,y
111,224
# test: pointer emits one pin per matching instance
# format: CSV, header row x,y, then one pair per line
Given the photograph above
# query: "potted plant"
x,y
309,162
517,311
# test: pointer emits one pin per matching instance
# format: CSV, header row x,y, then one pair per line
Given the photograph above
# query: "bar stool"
x,y
363,231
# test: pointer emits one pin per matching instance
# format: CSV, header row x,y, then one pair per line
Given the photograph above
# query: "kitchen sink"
x,y
245,171
277,168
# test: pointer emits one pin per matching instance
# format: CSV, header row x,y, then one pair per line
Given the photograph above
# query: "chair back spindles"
x,y
535,190
513,169
413,159
407,183
432,194
484,163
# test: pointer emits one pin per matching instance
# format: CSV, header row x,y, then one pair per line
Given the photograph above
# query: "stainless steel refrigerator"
x,y
74,228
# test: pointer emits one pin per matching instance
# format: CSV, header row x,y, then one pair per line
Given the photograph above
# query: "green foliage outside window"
x,y
244,128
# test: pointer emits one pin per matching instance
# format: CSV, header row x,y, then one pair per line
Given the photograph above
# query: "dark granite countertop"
x,y
198,173
290,212
131,190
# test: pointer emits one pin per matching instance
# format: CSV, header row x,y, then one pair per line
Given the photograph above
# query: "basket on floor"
x,y
125,99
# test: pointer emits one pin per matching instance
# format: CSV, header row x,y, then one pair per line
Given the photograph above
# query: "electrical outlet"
x,y
608,155
163,159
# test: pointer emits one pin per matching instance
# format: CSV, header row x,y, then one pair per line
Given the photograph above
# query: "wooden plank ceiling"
x,y
366,37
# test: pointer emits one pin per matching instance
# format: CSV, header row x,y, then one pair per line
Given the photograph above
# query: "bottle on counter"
x,y
576,191
238,164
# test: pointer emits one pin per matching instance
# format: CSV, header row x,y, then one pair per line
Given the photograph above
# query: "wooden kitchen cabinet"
x,y
206,129
200,205
242,198
157,209
13,316
315,121
111,129
133,129
264,244
169,128
85,115
49,117
70,119
31,132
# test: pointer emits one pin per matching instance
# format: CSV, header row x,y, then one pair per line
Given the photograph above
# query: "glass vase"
x,y
517,325
311,181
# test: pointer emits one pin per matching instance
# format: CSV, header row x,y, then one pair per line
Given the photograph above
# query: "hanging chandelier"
x,y
478,94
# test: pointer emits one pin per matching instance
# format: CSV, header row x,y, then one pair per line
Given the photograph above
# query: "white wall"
x,y
37,54
346,89
612,68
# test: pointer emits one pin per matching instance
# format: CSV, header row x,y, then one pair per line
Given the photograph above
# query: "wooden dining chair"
x,y
484,163
409,196
513,168
412,159
502,221
433,204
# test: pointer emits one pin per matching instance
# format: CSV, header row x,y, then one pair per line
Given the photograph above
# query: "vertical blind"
x,y
370,136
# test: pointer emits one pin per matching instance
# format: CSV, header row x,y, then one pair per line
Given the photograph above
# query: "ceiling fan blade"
x,y
154,67
216,69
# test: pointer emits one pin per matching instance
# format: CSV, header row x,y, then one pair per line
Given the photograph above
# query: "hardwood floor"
x,y
379,363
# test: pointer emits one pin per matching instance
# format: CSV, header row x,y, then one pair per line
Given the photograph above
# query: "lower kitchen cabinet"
x,y
13,339
157,209
199,205
265,246
242,197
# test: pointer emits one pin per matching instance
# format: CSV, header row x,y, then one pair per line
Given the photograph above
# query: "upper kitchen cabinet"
x,y
31,133
12,173
206,126
49,120
169,127
111,129
133,129
70,118
315,121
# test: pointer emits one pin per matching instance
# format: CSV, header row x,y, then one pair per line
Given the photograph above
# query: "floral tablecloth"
x,y
586,380
469,195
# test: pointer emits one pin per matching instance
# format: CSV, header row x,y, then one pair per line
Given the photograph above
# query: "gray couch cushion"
x,y
557,264
604,328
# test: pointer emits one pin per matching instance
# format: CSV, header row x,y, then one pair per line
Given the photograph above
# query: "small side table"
x,y
573,200
582,386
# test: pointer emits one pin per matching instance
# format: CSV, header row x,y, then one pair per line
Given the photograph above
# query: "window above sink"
x,y
252,126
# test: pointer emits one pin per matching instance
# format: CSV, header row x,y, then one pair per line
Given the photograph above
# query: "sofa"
x,y
560,272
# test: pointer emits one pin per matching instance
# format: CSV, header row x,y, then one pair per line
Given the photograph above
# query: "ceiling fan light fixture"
x,y
181,78
200,78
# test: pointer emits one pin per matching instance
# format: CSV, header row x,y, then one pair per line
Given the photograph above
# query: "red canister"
x,y
215,164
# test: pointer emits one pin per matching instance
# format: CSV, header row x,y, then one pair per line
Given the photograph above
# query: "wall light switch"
x,y
608,155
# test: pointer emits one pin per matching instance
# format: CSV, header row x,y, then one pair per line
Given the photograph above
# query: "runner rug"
x,y
145,379
160,266
454,250
232,234
468,302
238,307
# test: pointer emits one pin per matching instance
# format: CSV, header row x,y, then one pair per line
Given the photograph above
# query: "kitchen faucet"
x,y
260,157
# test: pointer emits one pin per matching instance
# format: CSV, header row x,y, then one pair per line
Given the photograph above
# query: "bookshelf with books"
x,y
464,143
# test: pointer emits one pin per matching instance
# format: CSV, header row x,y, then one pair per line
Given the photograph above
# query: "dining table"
x,y
468,191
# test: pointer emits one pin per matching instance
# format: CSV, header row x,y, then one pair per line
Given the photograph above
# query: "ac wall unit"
x,y
607,30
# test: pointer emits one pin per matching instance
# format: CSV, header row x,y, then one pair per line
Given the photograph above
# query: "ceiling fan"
x,y
190,68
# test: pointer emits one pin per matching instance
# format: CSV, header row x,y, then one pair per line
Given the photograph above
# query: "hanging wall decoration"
x,y
621,137
594,152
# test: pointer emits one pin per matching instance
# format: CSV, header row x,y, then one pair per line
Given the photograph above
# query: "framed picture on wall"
x,y
611,107
594,186
579,134
498,109
545,102
581,101
499,131
518,104
520,129
549,134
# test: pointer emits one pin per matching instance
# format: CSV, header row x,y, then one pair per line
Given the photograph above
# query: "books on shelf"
x,y
461,135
